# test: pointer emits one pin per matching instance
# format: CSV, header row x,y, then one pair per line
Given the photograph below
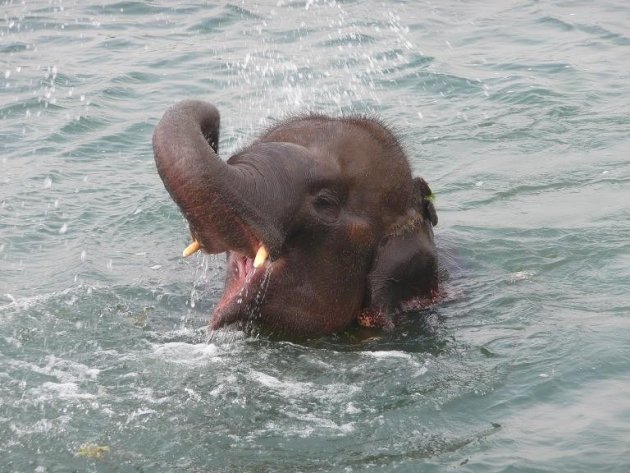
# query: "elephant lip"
x,y
244,292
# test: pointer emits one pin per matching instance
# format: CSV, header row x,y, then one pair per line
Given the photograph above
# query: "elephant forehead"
x,y
365,155
358,155
378,180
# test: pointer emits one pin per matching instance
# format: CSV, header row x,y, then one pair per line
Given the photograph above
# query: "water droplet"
x,y
47,183
420,115
63,229
83,255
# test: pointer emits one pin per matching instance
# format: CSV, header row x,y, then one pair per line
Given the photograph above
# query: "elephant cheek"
x,y
360,234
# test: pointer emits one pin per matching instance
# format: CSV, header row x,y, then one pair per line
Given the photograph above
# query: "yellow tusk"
x,y
194,247
261,257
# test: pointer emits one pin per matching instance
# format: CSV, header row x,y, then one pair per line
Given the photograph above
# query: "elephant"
x,y
323,224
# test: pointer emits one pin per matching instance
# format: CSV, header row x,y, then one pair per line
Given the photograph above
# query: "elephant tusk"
x,y
261,256
194,247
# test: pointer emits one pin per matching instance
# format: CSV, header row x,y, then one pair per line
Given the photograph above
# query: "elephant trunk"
x,y
216,198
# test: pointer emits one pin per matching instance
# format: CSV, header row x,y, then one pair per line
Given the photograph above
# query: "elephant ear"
x,y
404,271
424,200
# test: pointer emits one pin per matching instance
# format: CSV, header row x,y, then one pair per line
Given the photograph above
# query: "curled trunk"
x,y
219,200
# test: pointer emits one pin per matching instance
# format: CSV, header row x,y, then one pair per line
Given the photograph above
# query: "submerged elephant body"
x,y
321,218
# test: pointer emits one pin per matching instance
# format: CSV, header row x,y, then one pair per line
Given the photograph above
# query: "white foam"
x,y
228,384
415,365
192,394
13,341
287,388
388,354
66,371
521,276
303,425
322,423
139,413
46,426
64,391
292,389
26,303
187,353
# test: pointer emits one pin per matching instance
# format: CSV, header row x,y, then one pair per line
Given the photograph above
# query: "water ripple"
x,y
515,113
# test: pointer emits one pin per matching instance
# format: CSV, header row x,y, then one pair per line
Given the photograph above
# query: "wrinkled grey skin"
x,y
349,231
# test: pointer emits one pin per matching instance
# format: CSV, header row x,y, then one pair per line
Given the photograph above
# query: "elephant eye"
x,y
326,205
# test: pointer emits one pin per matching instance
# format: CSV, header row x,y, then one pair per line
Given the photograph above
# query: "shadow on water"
x,y
415,332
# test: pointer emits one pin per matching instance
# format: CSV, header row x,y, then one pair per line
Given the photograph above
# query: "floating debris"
x,y
92,450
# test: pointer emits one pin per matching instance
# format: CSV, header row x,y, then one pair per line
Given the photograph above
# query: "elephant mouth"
x,y
245,287
245,290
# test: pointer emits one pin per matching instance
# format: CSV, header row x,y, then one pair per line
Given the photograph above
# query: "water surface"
x,y
515,112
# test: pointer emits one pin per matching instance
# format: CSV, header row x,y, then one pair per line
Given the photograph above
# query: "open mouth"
x,y
246,284
262,254
245,290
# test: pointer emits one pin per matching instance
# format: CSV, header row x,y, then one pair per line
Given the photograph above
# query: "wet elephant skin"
x,y
332,201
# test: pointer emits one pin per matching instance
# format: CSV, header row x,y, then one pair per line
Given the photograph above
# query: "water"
x,y
515,112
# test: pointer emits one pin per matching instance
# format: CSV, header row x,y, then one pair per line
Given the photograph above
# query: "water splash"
x,y
261,293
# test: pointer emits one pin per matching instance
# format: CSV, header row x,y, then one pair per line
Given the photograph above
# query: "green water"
x,y
516,113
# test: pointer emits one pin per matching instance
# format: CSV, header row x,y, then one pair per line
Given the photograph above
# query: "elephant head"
x,y
320,217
